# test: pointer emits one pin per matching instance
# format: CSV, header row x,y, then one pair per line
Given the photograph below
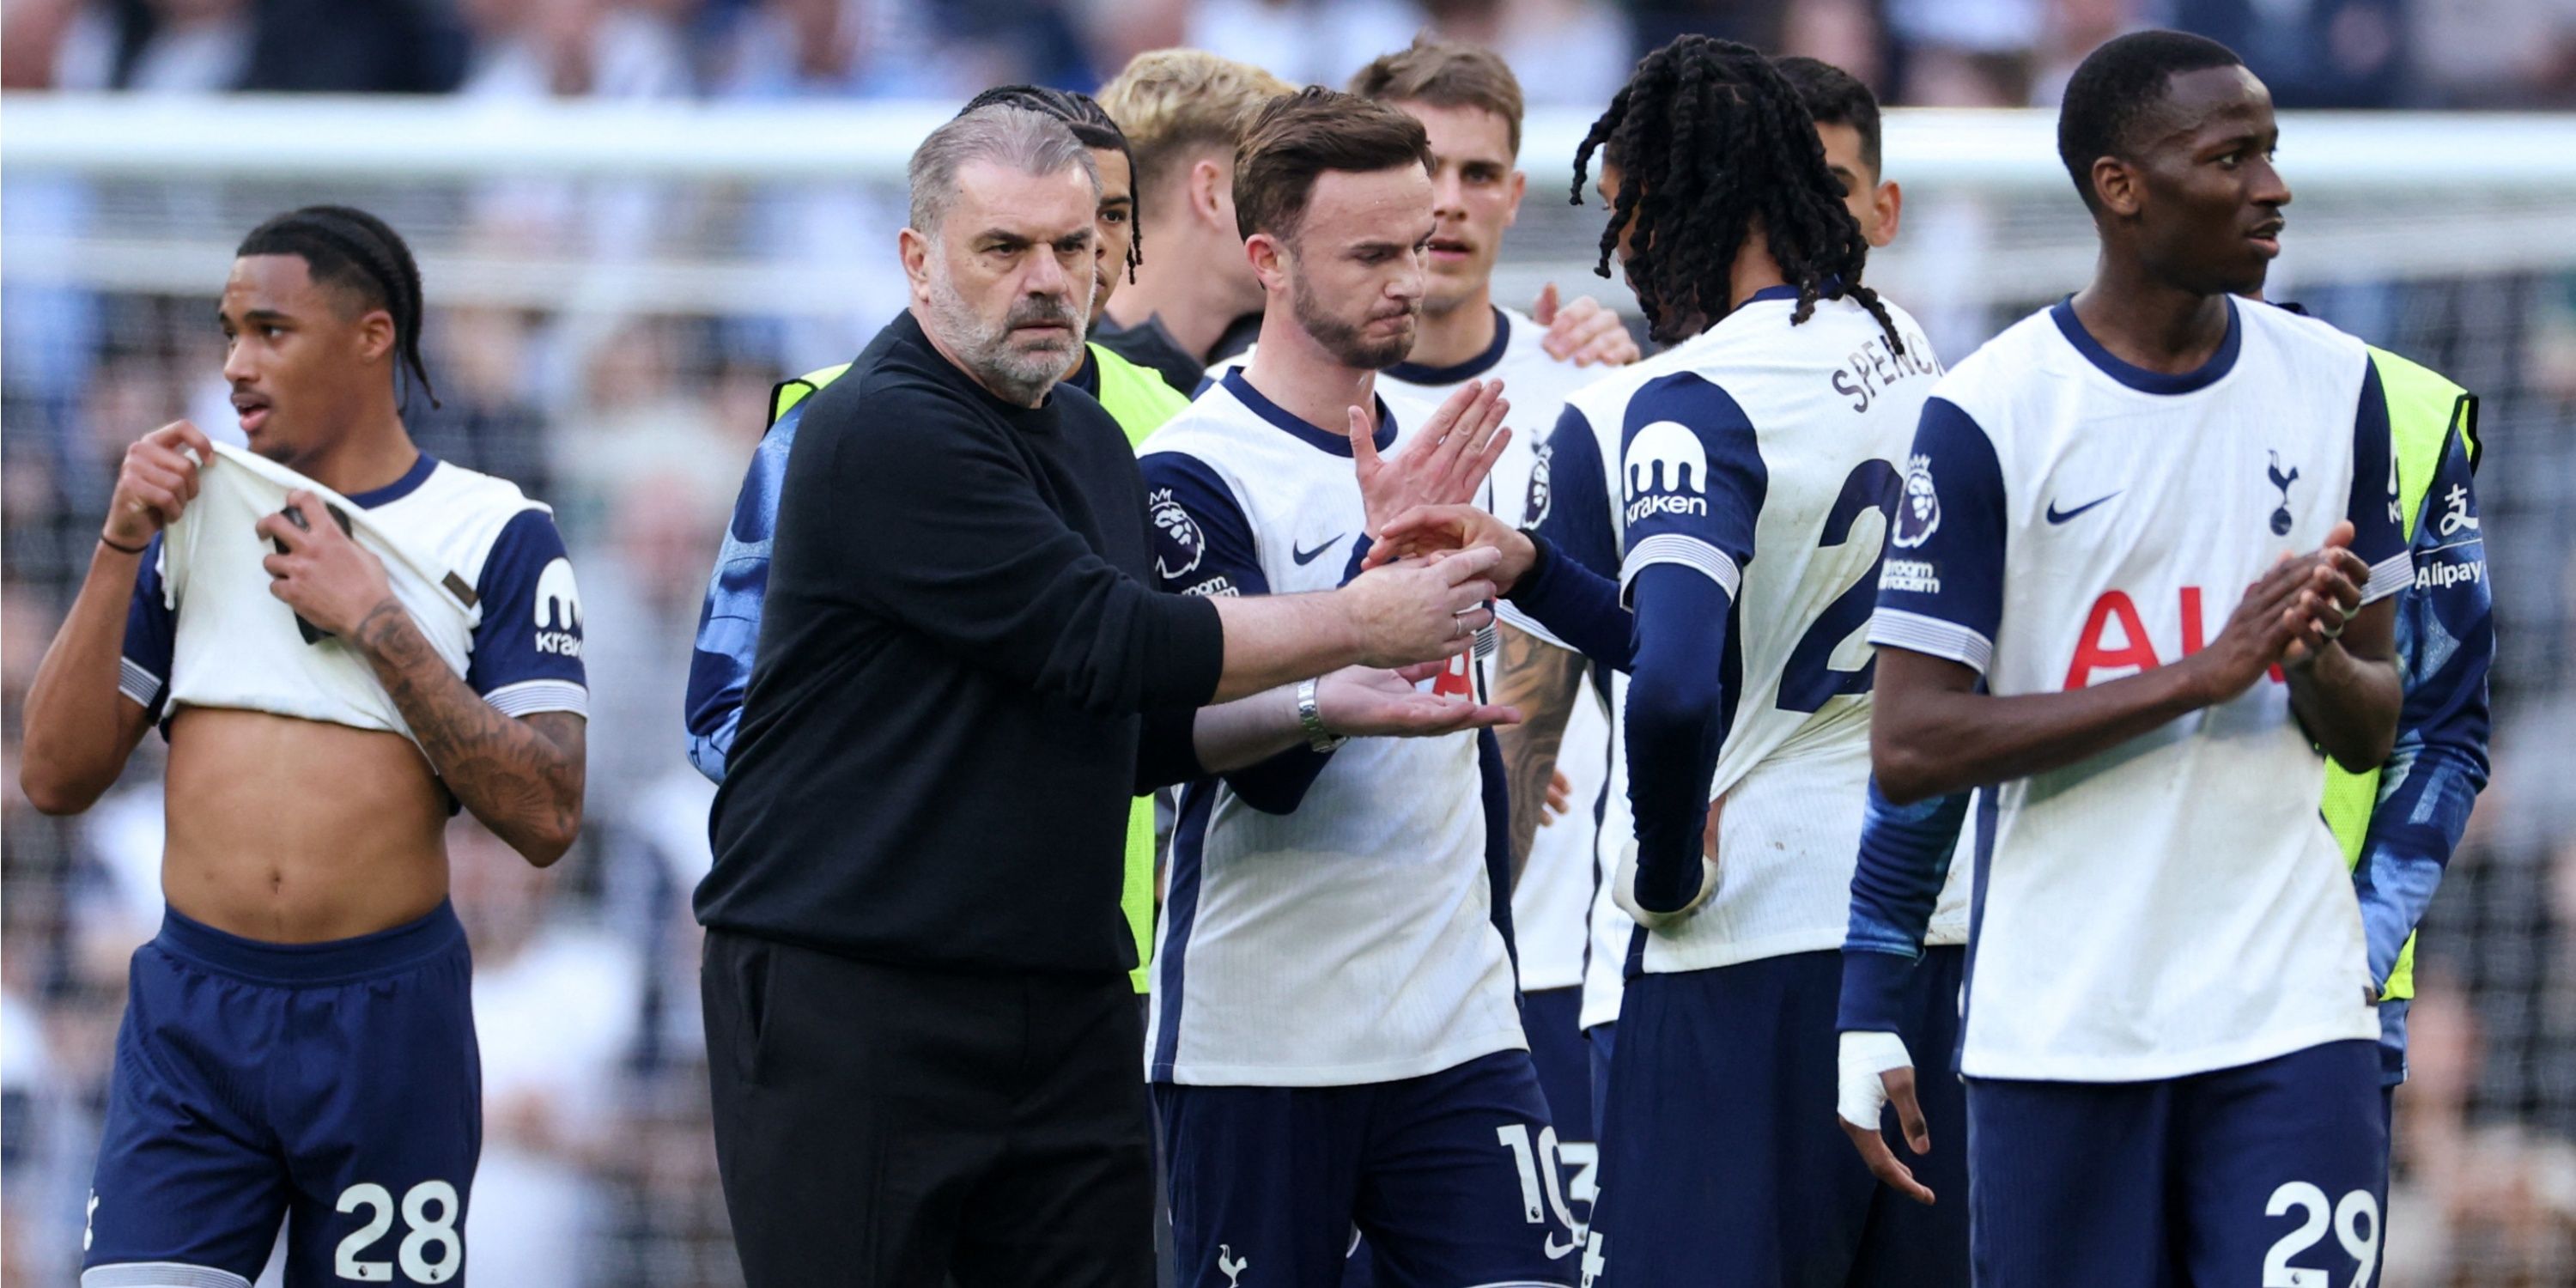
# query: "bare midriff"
x,y
295,831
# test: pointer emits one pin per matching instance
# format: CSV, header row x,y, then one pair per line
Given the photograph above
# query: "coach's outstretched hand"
x,y
1446,461
1371,702
1876,1069
1421,610
1434,529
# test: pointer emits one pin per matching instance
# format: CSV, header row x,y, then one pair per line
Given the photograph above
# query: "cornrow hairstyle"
x,y
1093,128
1707,136
354,250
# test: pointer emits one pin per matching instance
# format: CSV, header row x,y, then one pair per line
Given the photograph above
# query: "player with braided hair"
x,y
343,641
1677,145
1714,529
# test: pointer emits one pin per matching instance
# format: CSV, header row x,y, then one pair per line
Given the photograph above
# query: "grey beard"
x,y
1020,375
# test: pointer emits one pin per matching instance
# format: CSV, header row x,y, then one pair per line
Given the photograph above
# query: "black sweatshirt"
x,y
963,676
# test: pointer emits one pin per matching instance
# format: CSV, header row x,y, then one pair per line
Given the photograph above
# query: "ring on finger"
x,y
2335,633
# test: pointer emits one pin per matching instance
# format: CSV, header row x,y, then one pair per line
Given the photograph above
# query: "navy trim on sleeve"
x,y
527,649
151,636
1203,545
2378,518
1940,588
1691,473
1577,519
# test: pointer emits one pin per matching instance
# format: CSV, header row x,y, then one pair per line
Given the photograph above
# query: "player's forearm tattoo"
x,y
1542,680
522,777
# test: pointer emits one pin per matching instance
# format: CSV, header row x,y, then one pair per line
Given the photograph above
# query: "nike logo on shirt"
x,y
2056,515
1304,557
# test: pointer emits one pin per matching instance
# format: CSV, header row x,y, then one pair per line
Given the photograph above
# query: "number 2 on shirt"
x,y
1808,678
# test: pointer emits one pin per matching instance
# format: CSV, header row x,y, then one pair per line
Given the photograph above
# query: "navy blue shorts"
x,y
1449,1176
1722,1159
335,1083
1552,1018
2238,1176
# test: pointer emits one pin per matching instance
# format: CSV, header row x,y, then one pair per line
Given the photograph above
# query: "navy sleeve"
x,y
1692,474
151,634
1203,545
1905,856
729,621
2378,518
527,651
1569,593
1940,588
1574,512
2445,643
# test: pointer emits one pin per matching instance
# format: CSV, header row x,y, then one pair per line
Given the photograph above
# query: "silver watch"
x,y
1311,718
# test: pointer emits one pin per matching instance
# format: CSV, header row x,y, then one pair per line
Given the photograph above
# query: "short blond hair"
x,y
1171,103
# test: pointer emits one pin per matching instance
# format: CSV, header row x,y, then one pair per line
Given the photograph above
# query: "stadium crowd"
x,y
597,1165
2313,53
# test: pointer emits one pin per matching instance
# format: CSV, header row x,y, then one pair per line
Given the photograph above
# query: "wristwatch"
x,y
1311,719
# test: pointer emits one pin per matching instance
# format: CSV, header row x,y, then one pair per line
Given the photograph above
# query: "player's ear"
x,y
1890,200
1212,192
915,252
1267,256
1519,187
2116,186
376,334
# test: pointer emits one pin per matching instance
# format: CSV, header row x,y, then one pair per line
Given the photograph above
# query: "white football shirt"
x,y
2176,904
1762,454
478,565
1331,918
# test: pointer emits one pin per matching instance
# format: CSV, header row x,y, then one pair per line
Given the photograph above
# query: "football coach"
x,y
924,1050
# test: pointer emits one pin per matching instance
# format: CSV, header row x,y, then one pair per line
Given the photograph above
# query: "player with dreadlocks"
x,y
343,640
1714,530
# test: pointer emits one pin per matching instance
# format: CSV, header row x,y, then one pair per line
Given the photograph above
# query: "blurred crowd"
x,y
2313,53
635,423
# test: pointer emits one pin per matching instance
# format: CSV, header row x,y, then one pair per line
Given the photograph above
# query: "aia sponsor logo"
x,y
2116,640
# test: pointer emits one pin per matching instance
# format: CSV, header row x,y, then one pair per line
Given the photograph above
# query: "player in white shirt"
x,y
1335,1040
2169,1031
1734,489
1469,104
343,641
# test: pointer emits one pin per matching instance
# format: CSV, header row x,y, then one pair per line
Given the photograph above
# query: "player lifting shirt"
x,y
343,640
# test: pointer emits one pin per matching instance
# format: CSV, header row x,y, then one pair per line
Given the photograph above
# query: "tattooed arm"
x,y
522,776
1543,681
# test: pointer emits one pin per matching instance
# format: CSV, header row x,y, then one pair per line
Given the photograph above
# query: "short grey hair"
x,y
1026,141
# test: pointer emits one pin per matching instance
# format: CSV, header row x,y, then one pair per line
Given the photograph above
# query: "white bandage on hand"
x,y
1623,891
1864,1056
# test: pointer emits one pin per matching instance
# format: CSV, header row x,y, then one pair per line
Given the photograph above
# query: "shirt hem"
x,y
1204,1074
1734,954
2163,1064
